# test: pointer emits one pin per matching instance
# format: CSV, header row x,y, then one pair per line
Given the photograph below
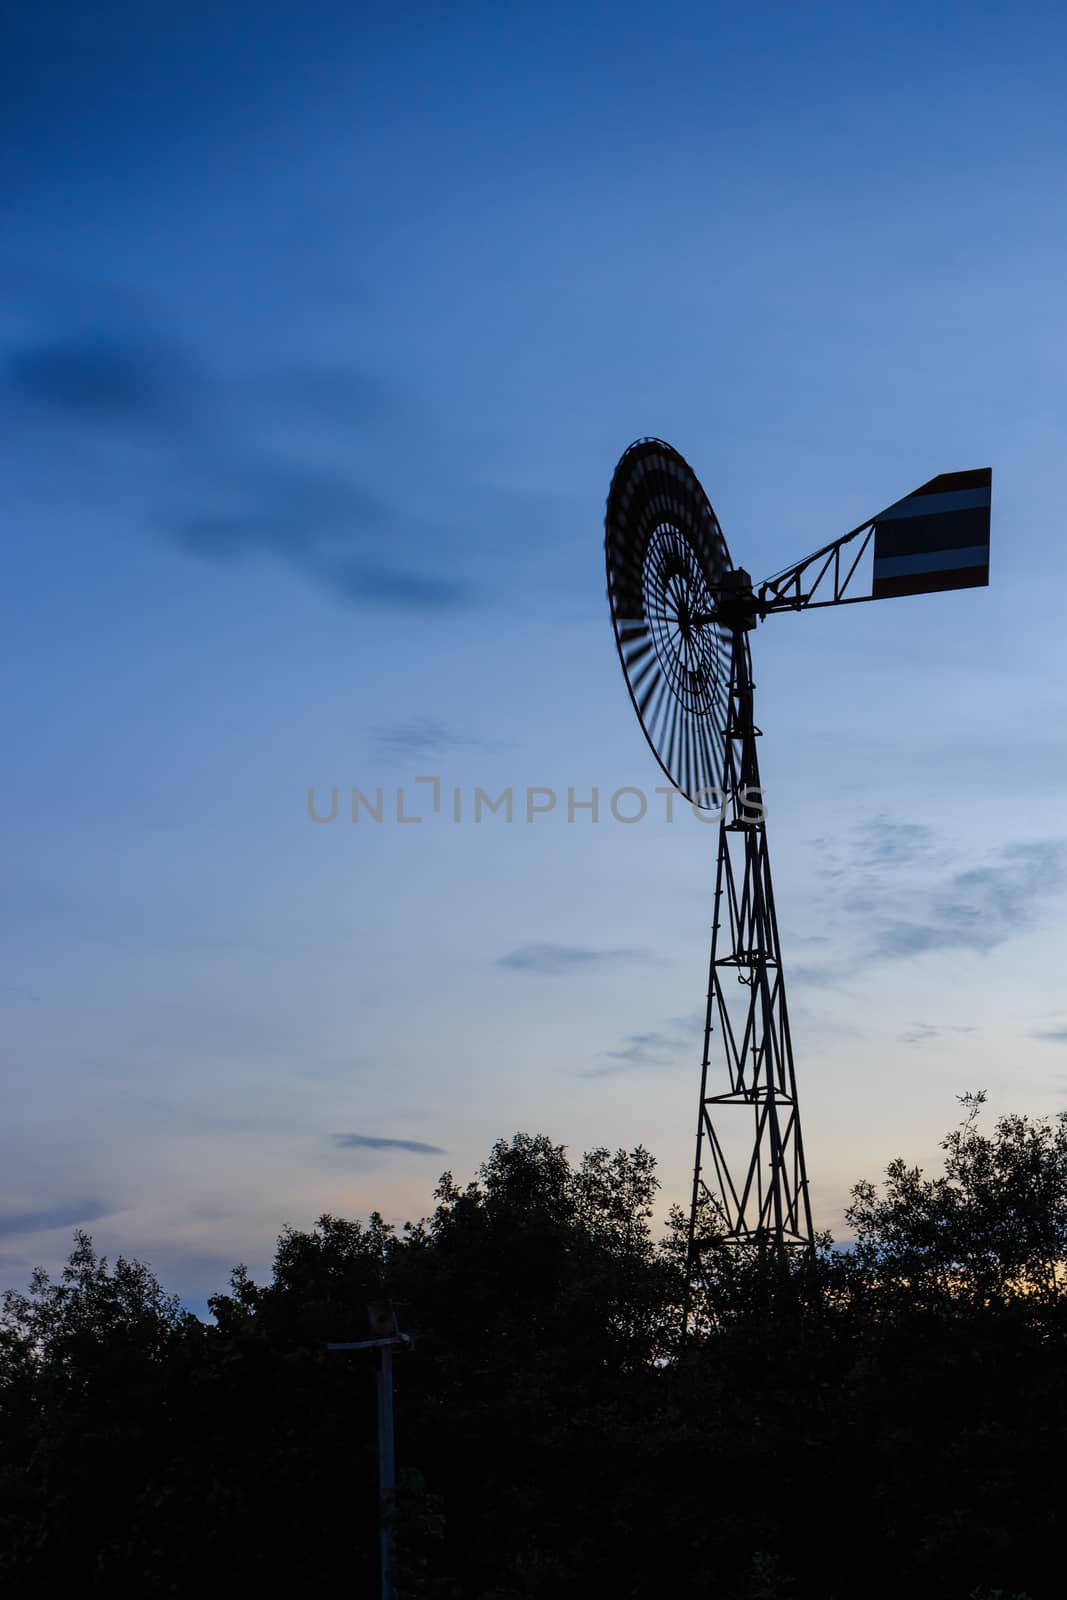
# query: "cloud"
x,y
101,378
884,843
19,989
367,1141
911,939
816,975
865,852
423,736
642,1050
894,879
337,397
1056,1035
679,1037
982,907
924,1032
219,485
72,1215
401,591
291,511
662,1047
558,960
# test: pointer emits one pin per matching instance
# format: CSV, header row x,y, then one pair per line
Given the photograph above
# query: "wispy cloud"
x,y
679,1037
71,1215
925,1032
368,1141
104,379
287,509
333,397
1056,1035
817,974
559,960
426,736
365,583
895,881
886,843
982,907
19,989
863,853
221,489
642,1050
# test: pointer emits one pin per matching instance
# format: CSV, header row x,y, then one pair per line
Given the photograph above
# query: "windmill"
x,y
682,615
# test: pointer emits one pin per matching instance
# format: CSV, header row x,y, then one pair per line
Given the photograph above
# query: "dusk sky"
x,y
322,329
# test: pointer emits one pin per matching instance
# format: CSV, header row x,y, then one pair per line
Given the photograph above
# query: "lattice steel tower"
x,y
765,1188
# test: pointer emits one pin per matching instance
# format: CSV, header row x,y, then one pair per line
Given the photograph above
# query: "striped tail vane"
x,y
936,538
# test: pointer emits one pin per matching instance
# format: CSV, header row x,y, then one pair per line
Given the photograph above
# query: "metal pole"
x,y
386,1467
386,1442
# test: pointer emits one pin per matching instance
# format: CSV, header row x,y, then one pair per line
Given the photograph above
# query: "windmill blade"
x,y
666,559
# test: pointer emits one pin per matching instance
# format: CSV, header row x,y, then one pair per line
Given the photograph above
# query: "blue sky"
x,y
322,329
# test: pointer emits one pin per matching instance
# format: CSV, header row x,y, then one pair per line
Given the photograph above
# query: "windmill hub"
x,y
677,604
736,609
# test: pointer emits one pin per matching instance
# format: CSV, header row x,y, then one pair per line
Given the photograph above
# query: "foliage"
x,y
882,1419
991,1228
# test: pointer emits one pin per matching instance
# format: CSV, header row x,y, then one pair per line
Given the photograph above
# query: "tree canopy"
x,y
885,1419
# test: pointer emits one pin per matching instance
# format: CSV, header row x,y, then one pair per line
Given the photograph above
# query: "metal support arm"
x,y
795,588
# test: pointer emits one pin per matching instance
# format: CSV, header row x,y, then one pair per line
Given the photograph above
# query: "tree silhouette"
x,y
885,1419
